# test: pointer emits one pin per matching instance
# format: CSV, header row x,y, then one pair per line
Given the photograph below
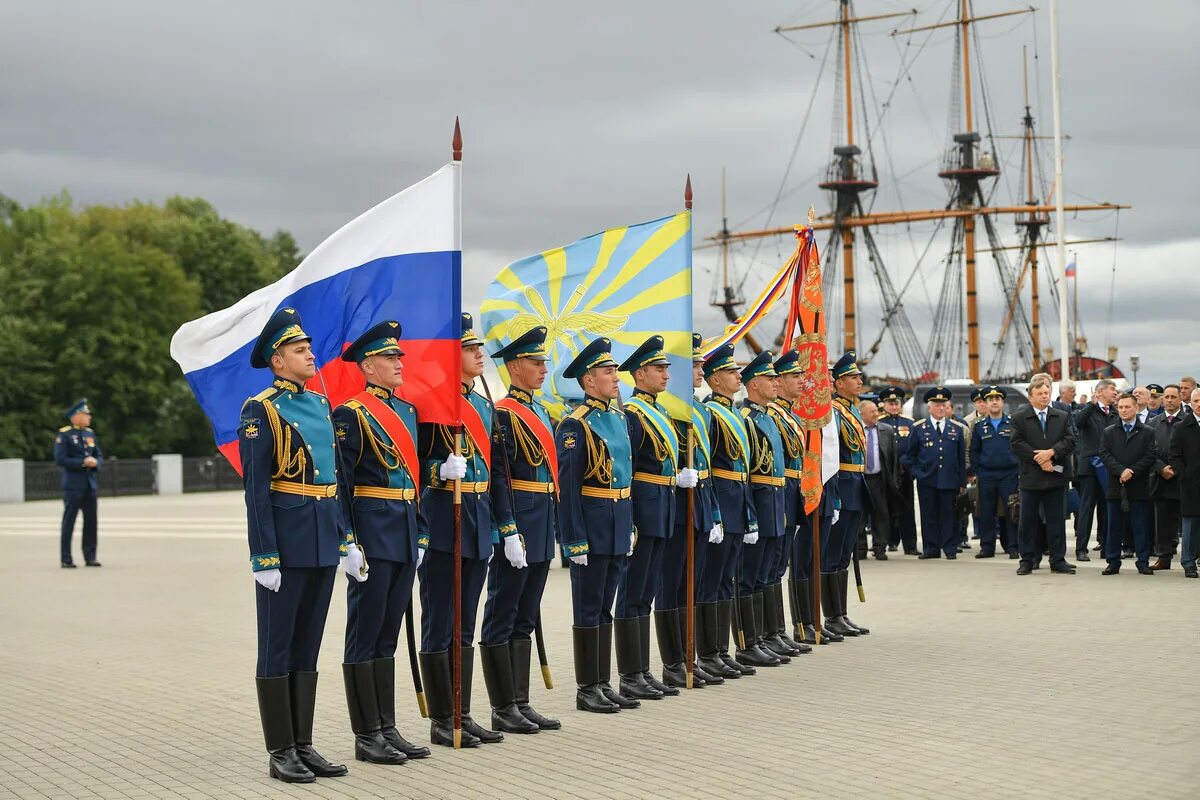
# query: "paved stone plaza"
x,y
136,680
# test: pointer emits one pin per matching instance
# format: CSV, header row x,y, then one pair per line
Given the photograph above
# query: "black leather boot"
x,y
363,705
781,626
830,596
708,655
303,686
604,659
748,651
844,583
663,687
497,676
385,691
762,630
769,634
588,696
670,649
725,626
469,724
802,591
628,633
519,652
275,710
700,676
439,691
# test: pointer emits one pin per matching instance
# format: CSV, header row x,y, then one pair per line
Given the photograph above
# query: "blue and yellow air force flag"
x,y
625,283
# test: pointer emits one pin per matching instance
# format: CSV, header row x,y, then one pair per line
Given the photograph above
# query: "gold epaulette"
x,y
353,404
962,425
580,412
921,421
260,397
64,428
746,412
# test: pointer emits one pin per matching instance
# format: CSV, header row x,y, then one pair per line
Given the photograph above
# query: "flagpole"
x,y
689,647
456,633
1059,214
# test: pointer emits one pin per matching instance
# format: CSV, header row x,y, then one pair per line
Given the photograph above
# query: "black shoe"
x,y
68,565
635,687
1190,572
1082,556
881,555
702,677
913,552
502,692
1111,569
1161,563
618,699
363,705
1013,555
952,556
436,676
93,564
469,725
668,627
891,548
733,663
1096,549
1064,568
632,685
385,692
964,546
590,698
275,709
924,556
1024,569
985,554
1128,554
303,688
519,652
1145,570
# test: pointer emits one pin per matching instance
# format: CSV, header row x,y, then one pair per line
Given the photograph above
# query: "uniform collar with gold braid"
x,y
288,386
851,423
378,391
723,400
642,394
596,403
520,395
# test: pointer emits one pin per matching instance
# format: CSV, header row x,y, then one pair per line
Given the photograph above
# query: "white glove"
x,y
580,560
514,551
687,478
453,468
836,516
717,534
750,538
269,579
420,556
354,564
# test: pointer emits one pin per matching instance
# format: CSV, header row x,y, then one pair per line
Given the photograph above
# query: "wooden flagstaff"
x,y
456,633
689,647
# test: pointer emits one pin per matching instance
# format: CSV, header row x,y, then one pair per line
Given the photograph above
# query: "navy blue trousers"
x,y
1091,505
755,563
73,503
672,586
437,599
733,565
639,583
514,599
802,546
842,537
1043,509
1138,518
783,555
375,609
939,528
593,589
291,621
904,523
716,562
992,517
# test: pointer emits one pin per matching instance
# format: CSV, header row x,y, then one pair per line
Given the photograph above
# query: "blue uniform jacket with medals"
x,y
377,494
71,446
290,472
595,469
529,474
852,461
730,441
767,478
655,446
938,462
486,512
992,457
704,505
793,450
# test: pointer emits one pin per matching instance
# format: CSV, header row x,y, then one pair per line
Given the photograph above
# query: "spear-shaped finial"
x,y
687,193
456,143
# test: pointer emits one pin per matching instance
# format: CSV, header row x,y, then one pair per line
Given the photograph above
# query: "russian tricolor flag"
x,y
401,260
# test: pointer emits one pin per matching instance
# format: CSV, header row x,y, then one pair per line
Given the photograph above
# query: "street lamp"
x,y
1135,362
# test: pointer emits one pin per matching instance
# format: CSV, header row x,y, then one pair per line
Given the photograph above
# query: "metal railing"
x,y
209,474
119,476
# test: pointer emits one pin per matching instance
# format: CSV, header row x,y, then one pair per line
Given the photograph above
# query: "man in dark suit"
x,y
1090,422
882,477
1128,452
1043,441
1184,457
1164,488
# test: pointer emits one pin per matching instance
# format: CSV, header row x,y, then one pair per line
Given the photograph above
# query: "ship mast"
x,y
729,299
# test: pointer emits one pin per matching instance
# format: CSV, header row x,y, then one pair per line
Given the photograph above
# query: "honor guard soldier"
x,y
993,467
77,452
729,440
376,434
595,519
767,483
486,518
670,615
937,458
521,563
851,492
904,529
655,445
788,386
297,536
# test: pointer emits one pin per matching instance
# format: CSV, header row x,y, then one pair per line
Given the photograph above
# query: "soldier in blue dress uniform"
x,y
937,458
77,452
595,519
297,536
994,468
521,561
904,531
377,489
655,444
670,614
486,519
851,493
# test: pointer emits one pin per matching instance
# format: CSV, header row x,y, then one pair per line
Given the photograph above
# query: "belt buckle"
x,y
331,490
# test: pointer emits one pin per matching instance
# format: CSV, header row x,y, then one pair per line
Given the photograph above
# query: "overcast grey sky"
x,y
581,116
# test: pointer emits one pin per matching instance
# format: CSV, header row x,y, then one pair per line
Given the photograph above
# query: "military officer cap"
x,y
81,407
788,363
697,351
598,353
719,359
762,365
469,339
379,340
993,391
530,345
937,394
649,354
891,393
282,328
846,366
976,394
872,396
1154,389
